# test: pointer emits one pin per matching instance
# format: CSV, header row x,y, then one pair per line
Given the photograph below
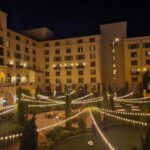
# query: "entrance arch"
x,y
8,99
2,78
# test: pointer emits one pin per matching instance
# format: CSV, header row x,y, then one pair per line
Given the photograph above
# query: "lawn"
x,y
80,143
121,138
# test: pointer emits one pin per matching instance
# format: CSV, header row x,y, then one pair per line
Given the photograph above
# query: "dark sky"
x,y
74,18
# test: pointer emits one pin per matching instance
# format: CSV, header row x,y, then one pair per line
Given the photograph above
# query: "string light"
x,y
122,113
6,107
132,101
11,136
124,119
127,95
101,133
50,105
7,111
61,122
33,101
66,95
83,97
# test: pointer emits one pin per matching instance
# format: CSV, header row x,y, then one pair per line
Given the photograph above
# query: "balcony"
x,y
80,67
57,68
68,67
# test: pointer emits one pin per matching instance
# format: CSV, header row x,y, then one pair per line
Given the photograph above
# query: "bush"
x,y
43,143
64,134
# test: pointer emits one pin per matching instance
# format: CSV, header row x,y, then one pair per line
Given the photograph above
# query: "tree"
x,y
111,102
85,88
82,123
140,90
109,89
36,92
68,111
99,89
126,87
146,141
21,109
29,139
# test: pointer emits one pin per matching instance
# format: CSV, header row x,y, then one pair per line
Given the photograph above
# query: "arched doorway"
x,y
8,99
2,78
8,78
146,81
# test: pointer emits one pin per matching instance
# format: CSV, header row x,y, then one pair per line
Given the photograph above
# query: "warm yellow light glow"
x,y
117,39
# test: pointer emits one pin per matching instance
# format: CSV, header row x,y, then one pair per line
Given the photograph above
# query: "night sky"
x,y
75,18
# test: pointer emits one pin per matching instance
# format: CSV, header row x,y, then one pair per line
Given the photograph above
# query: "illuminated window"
x,y
114,58
80,49
147,53
92,48
114,65
133,54
114,71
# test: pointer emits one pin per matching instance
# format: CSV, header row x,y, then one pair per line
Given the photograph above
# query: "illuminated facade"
x,y
86,63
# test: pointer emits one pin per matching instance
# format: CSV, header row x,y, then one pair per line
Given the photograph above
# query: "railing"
x,y
16,84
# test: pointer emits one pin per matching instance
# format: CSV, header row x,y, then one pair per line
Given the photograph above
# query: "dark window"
x,y
92,48
57,73
34,67
134,79
133,46
57,51
59,58
27,41
80,72
28,58
34,59
92,39
17,38
46,73
93,72
79,41
17,55
134,72
68,73
92,64
69,80
1,61
57,80
46,80
68,50
8,34
134,62
34,52
33,44
8,53
92,56
80,49
133,54
68,58
57,43
26,50
80,80
46,52
1,51
18,47
146,45
46,66
46,59
46,44
1,41
80,57
147,53
93,79
148,61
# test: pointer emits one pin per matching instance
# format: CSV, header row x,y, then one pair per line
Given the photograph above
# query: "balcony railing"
x,y
16,84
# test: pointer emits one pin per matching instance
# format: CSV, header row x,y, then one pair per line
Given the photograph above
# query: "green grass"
x,y
121,138
80,143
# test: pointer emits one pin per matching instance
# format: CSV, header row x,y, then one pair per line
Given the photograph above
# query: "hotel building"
x,y
33,58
